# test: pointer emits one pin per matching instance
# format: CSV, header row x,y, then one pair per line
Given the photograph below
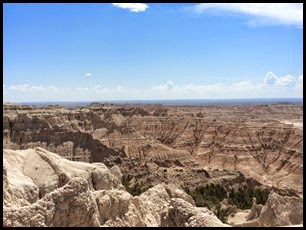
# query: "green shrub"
x,y
211,195
207,196
243,197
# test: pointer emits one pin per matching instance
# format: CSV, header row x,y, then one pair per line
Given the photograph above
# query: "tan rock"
x,y
71,205
115,170
184,214
278,211
80,194
257,140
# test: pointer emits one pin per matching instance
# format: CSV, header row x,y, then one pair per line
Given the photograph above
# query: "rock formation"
x,y
234,138
183,214
255,210
93,148
44,189
279,211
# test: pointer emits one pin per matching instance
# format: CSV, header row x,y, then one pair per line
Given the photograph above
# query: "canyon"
x,y
156,146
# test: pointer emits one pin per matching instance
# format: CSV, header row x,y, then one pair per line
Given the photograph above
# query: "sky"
x,y
137,51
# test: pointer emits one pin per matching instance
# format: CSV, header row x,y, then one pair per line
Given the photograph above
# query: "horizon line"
x,y
188,99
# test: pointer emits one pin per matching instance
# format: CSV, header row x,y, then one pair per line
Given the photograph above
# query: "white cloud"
x,y
272,80
263,13
286,81
34,88
270,86
24,87
167,86
241,84
133,7
88,74
241,89
119,88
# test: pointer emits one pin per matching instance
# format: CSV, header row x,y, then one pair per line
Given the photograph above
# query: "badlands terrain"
x,y
139,165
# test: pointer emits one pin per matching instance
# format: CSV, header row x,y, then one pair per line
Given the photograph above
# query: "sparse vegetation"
x,y
243,197
207,196
211,195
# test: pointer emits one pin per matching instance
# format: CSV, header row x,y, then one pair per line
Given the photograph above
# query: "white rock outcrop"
x,y
41,188
278,211
183,214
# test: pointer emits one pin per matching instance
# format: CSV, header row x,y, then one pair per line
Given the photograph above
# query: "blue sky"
x,y
79,52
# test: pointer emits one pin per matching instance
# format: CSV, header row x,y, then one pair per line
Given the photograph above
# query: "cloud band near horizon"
x,y
271,86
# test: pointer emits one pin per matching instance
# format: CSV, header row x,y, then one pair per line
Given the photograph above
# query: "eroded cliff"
x,y
254,140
